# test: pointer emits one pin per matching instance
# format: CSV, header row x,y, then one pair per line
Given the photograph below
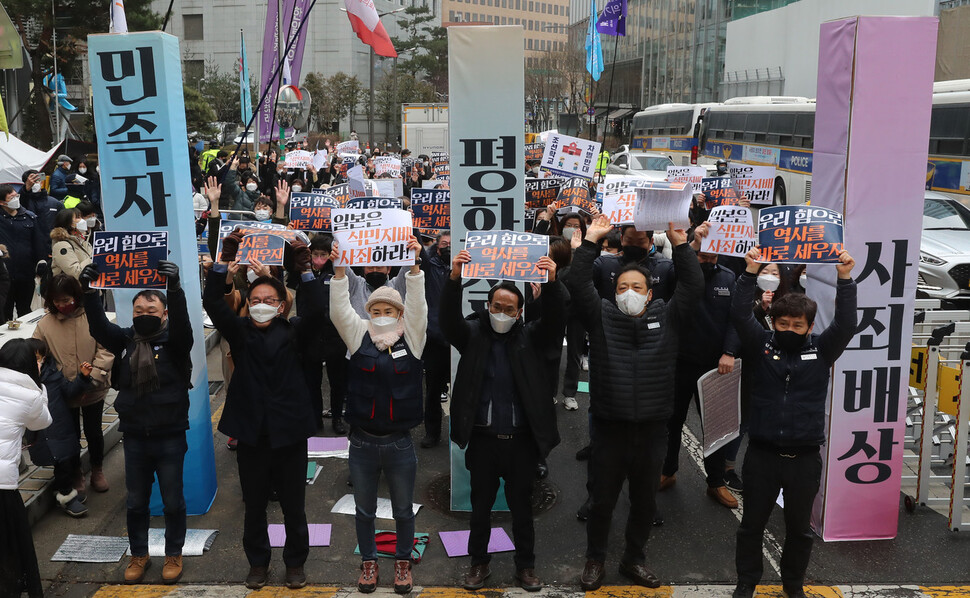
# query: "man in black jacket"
x,y
637,249
500,407
152,372
633,347
36,200
20,232
268,408
436,264
713,344
789,370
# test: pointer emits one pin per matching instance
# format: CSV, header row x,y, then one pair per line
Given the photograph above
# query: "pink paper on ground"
x,y
317,444
319,534
456,543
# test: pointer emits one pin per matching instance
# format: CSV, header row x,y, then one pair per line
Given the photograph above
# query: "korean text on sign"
x,y
692,175
570,156
800,235
385,166
311,211
574,197
539,193
756,183
372,237
720,191
732,231
265,248
431,209
129,260
505,255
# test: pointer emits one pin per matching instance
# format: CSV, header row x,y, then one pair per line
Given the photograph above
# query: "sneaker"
x,y
733,481
584,362
295,578
98,481
231,444
722,495
172,570
367,582
70,504
135,571
403,582
257,578
667,482
570,404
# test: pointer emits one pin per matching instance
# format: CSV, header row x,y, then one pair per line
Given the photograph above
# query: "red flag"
x,y
367,25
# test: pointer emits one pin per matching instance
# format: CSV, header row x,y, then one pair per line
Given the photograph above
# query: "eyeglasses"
x,y
510,311
268,301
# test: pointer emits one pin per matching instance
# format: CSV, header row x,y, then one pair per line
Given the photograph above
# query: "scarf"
x,y
386,340
144,376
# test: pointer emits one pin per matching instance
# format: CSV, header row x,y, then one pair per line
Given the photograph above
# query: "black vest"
x,y
384,388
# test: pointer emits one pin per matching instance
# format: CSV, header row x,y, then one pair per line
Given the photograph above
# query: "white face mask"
x,y
262,312
568,232
297,188
631,302
262,214
82,170
250,186
501,323
251,276
91,221
384,324
35,188
768,282
803,279
81,226
14,202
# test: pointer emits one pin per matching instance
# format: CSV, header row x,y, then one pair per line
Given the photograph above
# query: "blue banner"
x,y
594,47
800,235
139,112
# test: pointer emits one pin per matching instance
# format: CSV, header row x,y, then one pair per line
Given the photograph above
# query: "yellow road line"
x,y
146,591
277,592
946,591
631,592
819,591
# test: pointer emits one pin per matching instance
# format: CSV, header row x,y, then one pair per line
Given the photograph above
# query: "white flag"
x,y
119,24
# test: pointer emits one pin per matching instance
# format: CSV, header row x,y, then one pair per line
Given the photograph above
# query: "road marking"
x,y
217,414
146,591
770,547
946,591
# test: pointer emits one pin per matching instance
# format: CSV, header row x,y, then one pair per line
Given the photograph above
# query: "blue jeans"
x,y
394,455
146,457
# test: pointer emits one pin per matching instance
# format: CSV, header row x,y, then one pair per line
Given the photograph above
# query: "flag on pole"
x,y
245,93
287,72
367,25
119,24
594,48
613,19
3,120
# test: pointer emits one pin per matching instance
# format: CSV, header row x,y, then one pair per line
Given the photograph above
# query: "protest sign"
x,y
662,203
386,166
574,197
431,209
129,260
756,183
265,248
539,193
348,147
619,207
442,169
440,158
407,164
720,403
384,187
719,191
320,159
615,183
372,237
732,231
505,255
298,159
374,203
570,156
534,151
311,211
340,193
687,174
435,184
356,182
800,235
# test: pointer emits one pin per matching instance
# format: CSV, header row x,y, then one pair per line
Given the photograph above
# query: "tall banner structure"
x,y
288,21
487,162
872,71
136,79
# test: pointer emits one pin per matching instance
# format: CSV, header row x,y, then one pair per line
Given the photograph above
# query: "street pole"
x,y
370,112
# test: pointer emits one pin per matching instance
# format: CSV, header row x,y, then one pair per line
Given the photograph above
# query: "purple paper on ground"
x,y
318,444
319,534
456,543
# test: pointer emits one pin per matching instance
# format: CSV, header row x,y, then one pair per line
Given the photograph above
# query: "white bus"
x,y
670,129
948,167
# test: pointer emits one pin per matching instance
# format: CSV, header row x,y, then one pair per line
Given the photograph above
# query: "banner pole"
x,y
609,96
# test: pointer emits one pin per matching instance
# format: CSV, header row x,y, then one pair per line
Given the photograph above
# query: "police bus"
x,y
671,129
775,131
948,167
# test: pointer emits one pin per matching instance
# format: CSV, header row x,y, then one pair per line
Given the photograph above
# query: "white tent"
x,y
16,158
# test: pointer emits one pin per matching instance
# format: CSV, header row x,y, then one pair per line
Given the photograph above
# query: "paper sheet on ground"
x,y
197,541
319,534
321,448
79,548
347,506
720,400
456,543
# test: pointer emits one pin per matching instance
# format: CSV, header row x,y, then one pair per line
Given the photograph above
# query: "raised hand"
x,y
599,228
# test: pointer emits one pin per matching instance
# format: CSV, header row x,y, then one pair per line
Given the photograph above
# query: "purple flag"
x,y
612,20
293,14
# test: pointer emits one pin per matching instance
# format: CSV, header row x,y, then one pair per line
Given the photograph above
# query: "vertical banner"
x,y
487,161
136,80
872,71
293,13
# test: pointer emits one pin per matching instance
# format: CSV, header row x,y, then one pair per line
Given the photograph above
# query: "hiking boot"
x,y
592,576
403,582
640,575
369,574
527,580
476,576
98,481
667,482
722,495
295,578
257,578
172,570
135,571
70,504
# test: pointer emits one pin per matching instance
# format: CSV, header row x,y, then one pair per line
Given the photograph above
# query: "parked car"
x,y
646,165
944,256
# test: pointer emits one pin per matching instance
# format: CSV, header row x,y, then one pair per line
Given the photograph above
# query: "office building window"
x,y
530,43
451,15
192,27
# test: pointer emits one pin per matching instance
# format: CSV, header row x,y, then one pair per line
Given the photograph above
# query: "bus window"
x,y
804,130
734,127
948,130
781,125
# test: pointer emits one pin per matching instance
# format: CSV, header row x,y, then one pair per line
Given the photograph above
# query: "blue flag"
x,y
613,19
594,48
245,93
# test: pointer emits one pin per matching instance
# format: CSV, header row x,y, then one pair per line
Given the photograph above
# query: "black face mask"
x,y
634,253
789,341
721,170
445,254
146,325
376,279
708,270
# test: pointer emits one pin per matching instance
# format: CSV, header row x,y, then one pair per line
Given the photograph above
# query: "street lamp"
x,y
370,113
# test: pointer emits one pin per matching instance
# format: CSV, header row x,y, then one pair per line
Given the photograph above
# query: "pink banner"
x,y
292,15
872,71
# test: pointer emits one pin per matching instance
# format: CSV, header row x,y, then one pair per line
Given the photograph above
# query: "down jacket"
x,y
70,342
69,253
23,405
632,359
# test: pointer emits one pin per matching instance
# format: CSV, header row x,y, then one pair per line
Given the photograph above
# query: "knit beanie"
x,y
387,295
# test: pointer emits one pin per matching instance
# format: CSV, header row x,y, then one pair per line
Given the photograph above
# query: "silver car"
x,y
646,165
944,257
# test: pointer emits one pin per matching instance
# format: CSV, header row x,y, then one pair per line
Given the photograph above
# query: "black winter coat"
x,y
25,242
663,276
163,411
632,359
528,345
59,441
436,273
789,390
709,333
44,207
324,341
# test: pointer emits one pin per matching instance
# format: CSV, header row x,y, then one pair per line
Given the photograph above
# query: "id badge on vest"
x,y
399,350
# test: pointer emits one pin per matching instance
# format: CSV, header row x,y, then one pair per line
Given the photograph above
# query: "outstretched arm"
x,y
834,339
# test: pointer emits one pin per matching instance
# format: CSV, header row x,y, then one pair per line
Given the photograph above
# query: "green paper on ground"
x,y
583,387
311,471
